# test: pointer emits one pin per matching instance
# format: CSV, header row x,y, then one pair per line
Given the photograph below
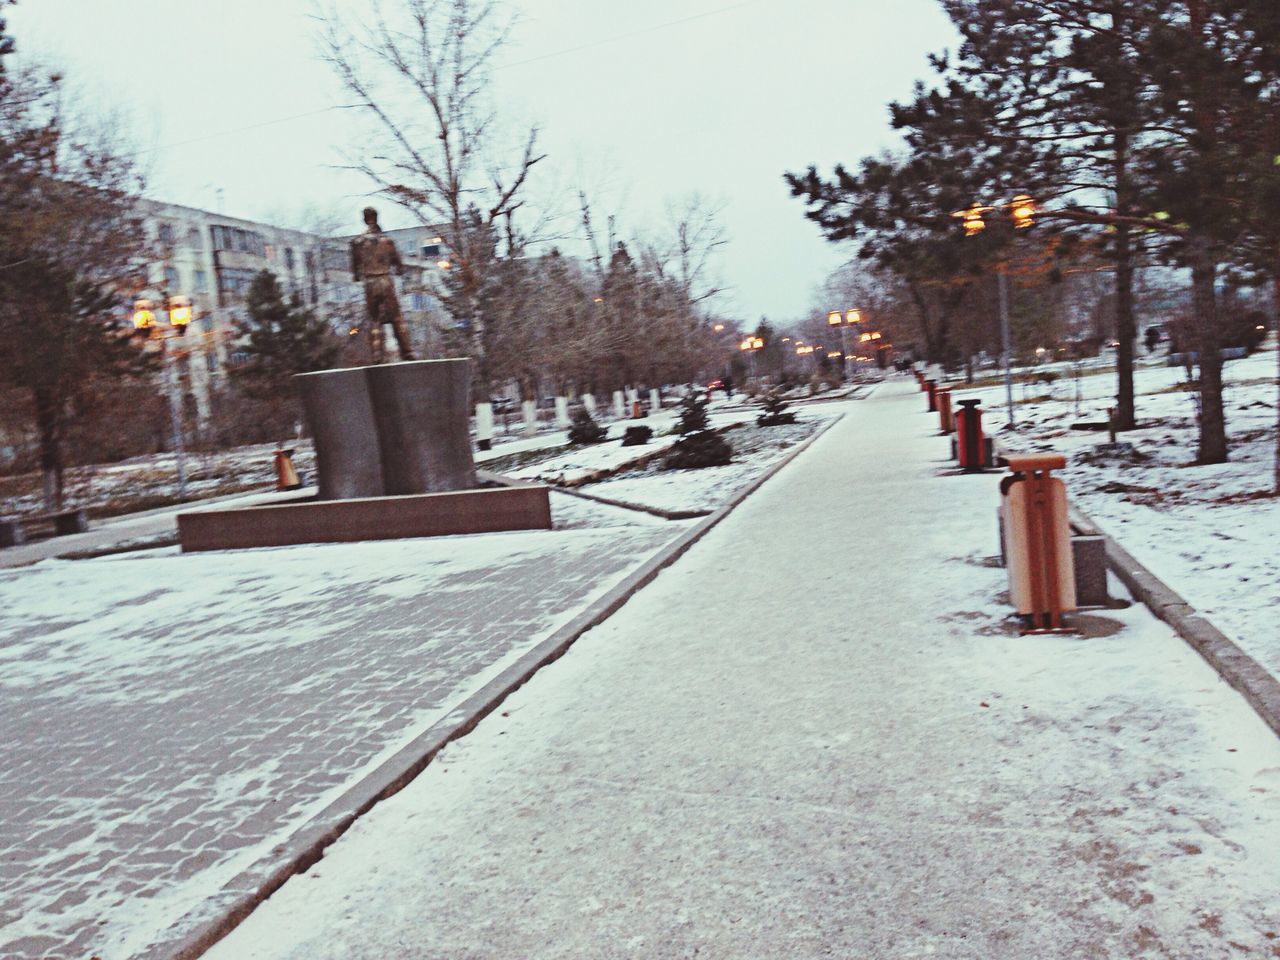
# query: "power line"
x,y
244,129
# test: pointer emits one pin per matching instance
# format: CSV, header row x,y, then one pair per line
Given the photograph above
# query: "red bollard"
x,y
1037,542
971,445
943,397
930,388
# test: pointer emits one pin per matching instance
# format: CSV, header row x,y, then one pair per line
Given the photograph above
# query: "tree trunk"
x,y
1213,424
926,322
49,426
1126,330
1275,327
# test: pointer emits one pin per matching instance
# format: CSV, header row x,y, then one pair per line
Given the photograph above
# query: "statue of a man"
x,y
376,261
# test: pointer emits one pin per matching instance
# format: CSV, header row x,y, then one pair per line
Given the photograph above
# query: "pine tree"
x,y
775,410
698,446
281,339
584,429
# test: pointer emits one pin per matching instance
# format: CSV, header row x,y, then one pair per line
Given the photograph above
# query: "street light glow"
x,y
1023,212
853,316
833,318
973,222
144,318
180,312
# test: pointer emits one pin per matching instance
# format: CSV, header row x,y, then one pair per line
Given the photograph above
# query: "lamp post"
x,y
750,345
844,321
1022,214
178,313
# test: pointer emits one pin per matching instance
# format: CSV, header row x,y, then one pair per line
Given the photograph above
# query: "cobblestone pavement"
x,y
168,718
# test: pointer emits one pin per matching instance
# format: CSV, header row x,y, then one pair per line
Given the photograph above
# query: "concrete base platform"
x,y
372,518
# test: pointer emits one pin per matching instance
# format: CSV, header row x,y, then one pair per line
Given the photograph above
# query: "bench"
x,y
14,531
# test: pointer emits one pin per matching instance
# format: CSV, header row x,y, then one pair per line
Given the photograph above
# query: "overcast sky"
x,y
642,103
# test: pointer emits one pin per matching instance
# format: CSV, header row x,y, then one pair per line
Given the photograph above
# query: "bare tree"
x,y
685,252
421,72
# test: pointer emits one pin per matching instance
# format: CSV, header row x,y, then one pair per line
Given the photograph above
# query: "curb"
x,y
1240,670
307,845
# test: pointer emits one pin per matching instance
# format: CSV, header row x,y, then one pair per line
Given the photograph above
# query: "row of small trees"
x,y
1145,130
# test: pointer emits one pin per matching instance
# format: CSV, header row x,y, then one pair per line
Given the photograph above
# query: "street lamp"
x,y
750,345
1022,214
844,321
178,312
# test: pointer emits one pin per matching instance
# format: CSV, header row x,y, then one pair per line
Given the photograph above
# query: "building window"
x,y
171,278
270,251
195,239
165,234
202,281
232,284
432,251
242,241
288,258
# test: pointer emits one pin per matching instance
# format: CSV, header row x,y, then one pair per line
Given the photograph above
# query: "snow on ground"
x,y
825,739
129,665
755,450
170,718
1210,532
569,464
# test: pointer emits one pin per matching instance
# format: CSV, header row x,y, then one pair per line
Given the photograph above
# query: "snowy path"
x,y
817,735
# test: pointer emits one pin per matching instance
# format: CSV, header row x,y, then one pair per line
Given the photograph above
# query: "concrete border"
x,y
307,845
1240,670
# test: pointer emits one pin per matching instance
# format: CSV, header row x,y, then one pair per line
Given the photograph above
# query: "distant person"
x,y
1152,339
727,385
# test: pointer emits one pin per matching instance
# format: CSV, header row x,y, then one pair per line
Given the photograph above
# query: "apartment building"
x,y
212,258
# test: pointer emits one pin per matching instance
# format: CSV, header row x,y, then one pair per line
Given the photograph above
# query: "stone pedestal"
x,y
340,412
420,410
394,460
390,430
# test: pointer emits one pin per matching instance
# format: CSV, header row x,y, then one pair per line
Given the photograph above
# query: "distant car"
x,y
715,385
502,404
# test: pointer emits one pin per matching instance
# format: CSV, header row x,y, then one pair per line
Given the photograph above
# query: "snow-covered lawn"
x,y
755,449
1210,532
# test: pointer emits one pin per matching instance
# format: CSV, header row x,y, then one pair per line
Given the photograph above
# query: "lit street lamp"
x,y
844,321
750,345
1022,214
178,312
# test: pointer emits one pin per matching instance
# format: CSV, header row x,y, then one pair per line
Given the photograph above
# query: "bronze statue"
x,y
376,261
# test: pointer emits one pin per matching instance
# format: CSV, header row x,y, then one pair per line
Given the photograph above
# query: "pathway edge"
x,y
1224,655
306,846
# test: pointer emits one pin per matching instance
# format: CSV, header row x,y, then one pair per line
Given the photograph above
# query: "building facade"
x,y
212,259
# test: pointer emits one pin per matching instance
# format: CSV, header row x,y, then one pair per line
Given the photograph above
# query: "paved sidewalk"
x,y
818,735
168,718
